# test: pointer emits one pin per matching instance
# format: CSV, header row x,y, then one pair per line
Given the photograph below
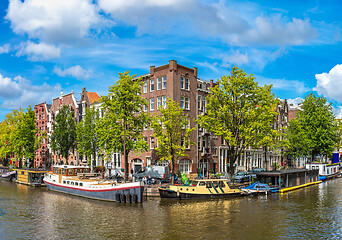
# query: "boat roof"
x,y
69,166
283,172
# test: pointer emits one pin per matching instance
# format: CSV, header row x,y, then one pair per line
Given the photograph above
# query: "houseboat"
x,y
326,170
211,188
79,181
291,179
30,176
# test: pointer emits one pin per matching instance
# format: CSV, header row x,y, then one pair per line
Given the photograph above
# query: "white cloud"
x,y
75,71
19,92
234,58
4,49
295,101
40,51
53,21
294,86
236,24
330,84
254,57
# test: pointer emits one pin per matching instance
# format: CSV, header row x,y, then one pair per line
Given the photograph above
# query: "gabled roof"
x,y
93,97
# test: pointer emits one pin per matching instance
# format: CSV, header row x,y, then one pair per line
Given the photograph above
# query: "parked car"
x,y
161,173
241,177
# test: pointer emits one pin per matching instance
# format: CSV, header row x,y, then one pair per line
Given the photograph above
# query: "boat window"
x,y
79,170
68,182
201,184
71,172
215,184
193,183
81,184
64,182
76,183
209,184
86,170
221,184
60,170
63,171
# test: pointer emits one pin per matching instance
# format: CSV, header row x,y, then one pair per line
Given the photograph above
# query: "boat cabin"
x,y
288,178
30,176
324,169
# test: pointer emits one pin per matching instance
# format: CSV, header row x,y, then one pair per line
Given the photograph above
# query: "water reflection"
x,y
35,213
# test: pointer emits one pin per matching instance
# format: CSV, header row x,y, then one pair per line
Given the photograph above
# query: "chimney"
x,y
152,70
172,65
211,83
195,72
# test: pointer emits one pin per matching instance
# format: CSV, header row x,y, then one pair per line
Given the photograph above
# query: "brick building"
x,y
42,112
57,104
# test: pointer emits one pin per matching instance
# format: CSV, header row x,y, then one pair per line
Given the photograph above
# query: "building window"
x,y
203,104
159,83
145,108
187,85
151,85
151,104
199,102
185,142
152,143
182,82
164,82
182,102
164,102
145,87
185,166
187,103
159,102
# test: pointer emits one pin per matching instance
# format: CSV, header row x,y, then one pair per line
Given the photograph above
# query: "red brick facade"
x,y
42,118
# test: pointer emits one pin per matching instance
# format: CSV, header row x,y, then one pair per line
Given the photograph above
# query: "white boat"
x,y
325,170
77,180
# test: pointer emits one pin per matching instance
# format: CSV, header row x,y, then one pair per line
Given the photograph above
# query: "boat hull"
x,y
327,177
183,195
124,193
167,193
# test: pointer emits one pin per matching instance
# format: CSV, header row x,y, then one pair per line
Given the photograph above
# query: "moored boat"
x,y
77,180
259,188
326,171
210,188
8,176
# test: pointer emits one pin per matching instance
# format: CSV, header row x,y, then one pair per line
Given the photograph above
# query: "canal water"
x,y
36,213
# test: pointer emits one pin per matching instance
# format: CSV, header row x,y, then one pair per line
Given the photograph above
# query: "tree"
x,y
63,138
314,131
241,112
87,142
26,139
8,137
172,130
121,127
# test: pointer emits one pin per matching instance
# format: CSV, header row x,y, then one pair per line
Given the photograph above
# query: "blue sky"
x,y
51,45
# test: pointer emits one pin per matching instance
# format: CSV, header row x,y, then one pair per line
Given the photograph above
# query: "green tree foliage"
x,y
314,131
172,130
87,145
120,130
8,129
241,112
63,138
26,137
